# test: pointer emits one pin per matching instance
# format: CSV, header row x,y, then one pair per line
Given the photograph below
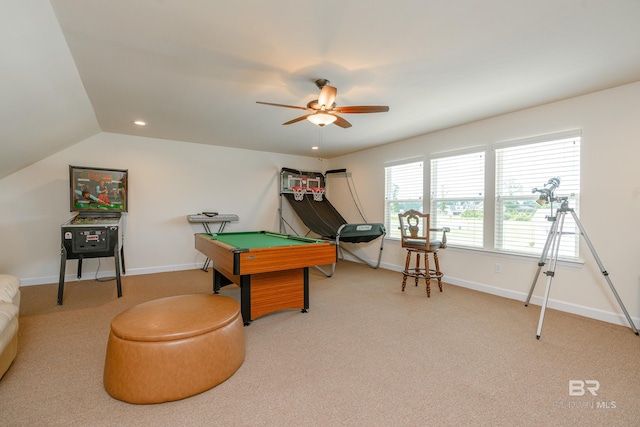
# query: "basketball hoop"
x,y
298,192
317,193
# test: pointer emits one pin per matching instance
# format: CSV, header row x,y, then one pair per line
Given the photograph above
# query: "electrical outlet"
x,y
498,268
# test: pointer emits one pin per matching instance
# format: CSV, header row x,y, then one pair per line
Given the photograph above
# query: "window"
x,y
457,197
403,191
521,168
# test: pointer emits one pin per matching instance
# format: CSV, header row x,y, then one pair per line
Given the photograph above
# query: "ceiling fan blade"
x,y
298,119
327,96
326,105
362,109
342,122
283,105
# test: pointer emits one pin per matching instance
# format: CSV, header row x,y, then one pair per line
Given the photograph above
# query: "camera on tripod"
x,y
546,193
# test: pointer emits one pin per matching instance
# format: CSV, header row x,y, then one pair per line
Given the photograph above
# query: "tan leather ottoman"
x,y
175,347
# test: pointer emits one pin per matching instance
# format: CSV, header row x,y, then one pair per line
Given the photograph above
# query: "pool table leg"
x,y
219,280
245,299
306,290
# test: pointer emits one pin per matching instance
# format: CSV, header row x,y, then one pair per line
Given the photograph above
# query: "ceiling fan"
x,y
323,110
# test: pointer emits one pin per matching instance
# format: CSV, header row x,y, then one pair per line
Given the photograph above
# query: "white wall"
x,y
610,201
167,181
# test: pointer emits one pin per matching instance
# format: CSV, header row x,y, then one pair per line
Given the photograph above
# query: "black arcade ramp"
x,y
320,216
324,220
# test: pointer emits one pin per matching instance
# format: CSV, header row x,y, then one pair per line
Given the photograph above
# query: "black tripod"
x,y
553,245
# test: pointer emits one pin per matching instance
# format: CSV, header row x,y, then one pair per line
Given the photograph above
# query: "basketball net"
x,y
317,193
298,193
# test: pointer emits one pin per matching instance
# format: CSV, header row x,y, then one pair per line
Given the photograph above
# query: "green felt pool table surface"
x,y
261,239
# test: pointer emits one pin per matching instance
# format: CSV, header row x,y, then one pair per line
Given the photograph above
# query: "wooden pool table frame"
x,y
270,278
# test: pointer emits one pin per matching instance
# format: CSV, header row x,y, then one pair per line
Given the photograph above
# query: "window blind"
x,y
521,223
403,191
457,197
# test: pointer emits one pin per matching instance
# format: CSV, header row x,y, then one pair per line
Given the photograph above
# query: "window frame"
x,y
570,248
391,221
492,212
438,220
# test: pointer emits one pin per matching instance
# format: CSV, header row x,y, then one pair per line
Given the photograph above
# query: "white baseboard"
x,y
88,275
605,316
592,313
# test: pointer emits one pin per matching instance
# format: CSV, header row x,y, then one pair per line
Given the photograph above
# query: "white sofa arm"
x,y
10,289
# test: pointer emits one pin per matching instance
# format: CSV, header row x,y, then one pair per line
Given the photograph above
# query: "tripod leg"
x,y
555,247
603,271
543,257
544,307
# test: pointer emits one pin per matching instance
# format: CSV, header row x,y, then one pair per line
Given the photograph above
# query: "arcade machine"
x,y
98,199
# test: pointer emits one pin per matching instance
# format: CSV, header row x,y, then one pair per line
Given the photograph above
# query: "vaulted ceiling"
x,y
194,69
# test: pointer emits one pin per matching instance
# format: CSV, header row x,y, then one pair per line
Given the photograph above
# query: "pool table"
x,y
271,269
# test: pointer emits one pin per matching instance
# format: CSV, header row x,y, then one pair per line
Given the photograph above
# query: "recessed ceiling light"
x,y
140,123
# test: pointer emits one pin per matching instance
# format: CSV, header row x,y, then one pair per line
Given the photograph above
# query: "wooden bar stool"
x,y
416,239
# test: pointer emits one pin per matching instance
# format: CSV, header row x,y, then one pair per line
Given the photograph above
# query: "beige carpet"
x,y
366,354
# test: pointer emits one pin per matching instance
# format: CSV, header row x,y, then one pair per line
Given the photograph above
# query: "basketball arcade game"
x,y
305,191
98,198
302,183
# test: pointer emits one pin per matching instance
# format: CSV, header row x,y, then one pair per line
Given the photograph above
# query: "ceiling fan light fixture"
x,y
324,111
321,119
